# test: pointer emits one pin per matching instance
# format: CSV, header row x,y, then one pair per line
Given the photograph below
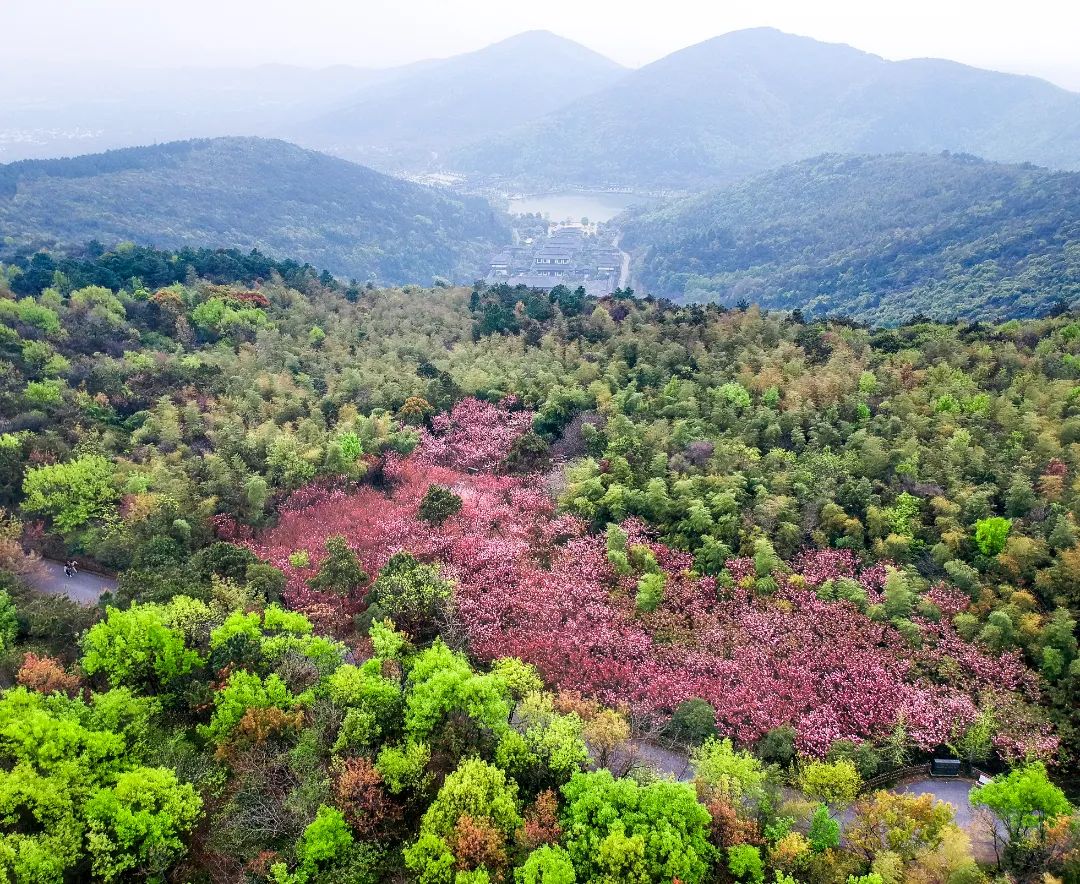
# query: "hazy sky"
x,y
1036,36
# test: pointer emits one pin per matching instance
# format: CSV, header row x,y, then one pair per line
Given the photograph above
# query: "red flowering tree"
x,y
475,436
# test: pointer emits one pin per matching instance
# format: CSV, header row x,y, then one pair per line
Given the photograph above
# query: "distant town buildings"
x,y
572,254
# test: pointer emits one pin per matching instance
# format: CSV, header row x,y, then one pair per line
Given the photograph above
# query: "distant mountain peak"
x,y
411,120
765,45
751,100
767,33
544,41
537,35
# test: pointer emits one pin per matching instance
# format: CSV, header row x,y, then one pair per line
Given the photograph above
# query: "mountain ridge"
x,y
743,102
447,103
876,238
256,193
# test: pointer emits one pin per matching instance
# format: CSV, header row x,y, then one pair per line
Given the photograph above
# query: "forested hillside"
x,y
879,239
252,193
410,580
752,100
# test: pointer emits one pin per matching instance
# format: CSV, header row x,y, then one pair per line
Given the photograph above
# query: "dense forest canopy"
x,y
409,579
252,193
880,239
31,272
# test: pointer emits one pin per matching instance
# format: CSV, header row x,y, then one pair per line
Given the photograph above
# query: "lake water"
x,y
575,205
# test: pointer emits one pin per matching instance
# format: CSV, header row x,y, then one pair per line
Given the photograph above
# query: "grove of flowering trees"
x,y
530,583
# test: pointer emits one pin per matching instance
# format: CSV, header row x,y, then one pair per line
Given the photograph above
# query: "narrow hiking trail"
x,y
624,268
84,588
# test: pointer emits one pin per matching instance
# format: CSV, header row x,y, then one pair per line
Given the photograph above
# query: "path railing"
x,y
892,776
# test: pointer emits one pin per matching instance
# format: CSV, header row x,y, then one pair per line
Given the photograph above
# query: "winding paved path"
x,y
968,817
624,267
84,588
953,791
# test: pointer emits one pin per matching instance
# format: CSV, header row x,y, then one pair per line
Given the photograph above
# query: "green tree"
x,y
41,394
521,678
548,864
372,703
651,833
734,395
1025,801
243,691
650,591
694,722
325,838
476,794
1058,643
899,599
266,581
898,824
530,453
71,494
409,593
74,796
137,648
139,823
824,831
777,746
340,571
544,748
974,742
439,504
831,782
9,622
403,768
745,863
443,686
734,775
991,534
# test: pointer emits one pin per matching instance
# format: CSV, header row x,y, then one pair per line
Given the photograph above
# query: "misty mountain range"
x,y
539,110
814,171
753,100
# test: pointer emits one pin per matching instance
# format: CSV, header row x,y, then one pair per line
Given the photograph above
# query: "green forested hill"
x,y
390,557
877,238
251,193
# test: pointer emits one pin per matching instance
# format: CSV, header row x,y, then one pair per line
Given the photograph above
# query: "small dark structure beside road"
x,y
945,767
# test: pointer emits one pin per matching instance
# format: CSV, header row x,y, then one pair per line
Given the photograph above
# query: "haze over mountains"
x,y
539,110
412,119
66,113
252,193
536,112
752,100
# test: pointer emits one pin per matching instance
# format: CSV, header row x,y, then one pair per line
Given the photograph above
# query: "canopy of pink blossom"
x,y
537,585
